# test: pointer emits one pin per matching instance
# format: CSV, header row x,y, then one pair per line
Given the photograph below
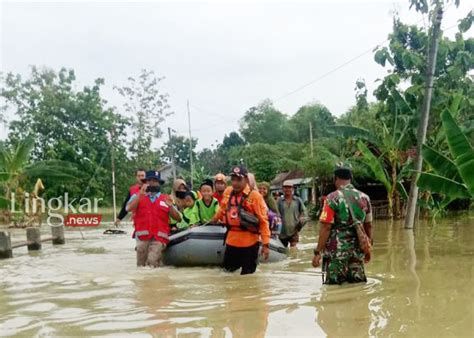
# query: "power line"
x,y
183,133
340,66
329,72
321,77
225,120
209,112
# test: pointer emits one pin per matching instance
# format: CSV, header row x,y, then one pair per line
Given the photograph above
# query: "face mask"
x,y
180,194
153,189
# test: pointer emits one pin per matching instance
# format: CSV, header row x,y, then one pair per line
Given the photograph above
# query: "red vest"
x,y
151,219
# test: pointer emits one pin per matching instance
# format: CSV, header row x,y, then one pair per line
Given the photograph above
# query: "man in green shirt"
x,y
293,215
338,245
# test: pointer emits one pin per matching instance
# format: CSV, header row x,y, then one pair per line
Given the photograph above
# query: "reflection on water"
x,y
420,284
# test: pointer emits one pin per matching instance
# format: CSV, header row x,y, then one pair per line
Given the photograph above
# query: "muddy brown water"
x,y
420,284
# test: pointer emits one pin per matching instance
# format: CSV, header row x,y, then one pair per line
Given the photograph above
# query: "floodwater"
x,y
420,285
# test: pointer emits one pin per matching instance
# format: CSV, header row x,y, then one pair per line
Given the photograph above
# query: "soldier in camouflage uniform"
x,y
338,244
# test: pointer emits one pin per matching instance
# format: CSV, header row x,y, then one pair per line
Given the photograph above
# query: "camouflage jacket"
x,y
343,241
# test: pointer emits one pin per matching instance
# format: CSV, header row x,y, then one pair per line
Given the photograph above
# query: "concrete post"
x,y
57,231
5,245
33,236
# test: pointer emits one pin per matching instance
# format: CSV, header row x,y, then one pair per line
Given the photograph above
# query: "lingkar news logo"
x,y
83,212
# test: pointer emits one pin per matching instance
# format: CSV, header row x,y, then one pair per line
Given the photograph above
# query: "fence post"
x,y
58,234
5,245
33,236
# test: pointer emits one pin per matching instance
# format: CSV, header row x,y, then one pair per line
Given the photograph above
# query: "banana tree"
x,y
16,170
392,180
387,150
450,176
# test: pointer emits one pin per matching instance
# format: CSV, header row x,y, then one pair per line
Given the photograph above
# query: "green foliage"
x,y
315,114
461,150
147,107
213,160
179,145
362,118
355,132
382,55
466,23
17,172
266,160
67,125
440,163
436,183
400,96
401,92
376,165
74,126
423,6
264,124
451,178
232,140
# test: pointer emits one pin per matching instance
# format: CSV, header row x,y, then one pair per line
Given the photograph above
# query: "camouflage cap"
x,y
343,170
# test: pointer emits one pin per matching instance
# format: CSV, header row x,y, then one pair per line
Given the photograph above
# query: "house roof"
x,y
279,178
296,176
169,166
299,181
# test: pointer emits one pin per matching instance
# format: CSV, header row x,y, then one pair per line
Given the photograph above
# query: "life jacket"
x,y
151,219
189,216
207,212
233,215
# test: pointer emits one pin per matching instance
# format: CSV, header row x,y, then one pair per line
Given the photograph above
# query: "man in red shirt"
x,y
152,211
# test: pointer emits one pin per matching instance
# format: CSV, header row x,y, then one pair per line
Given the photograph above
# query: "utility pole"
x,y
313,190
114,202
172,154
190,145
425,113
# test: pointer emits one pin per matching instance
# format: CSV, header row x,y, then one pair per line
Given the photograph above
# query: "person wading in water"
x,y
244,213
345,236
152,210
293,215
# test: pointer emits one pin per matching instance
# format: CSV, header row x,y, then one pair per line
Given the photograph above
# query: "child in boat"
x,y
207,205
190,214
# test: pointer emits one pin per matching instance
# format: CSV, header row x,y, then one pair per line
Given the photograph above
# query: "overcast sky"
x,y
223,56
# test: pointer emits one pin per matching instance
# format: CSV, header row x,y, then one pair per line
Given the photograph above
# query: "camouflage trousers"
x,y
344,269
